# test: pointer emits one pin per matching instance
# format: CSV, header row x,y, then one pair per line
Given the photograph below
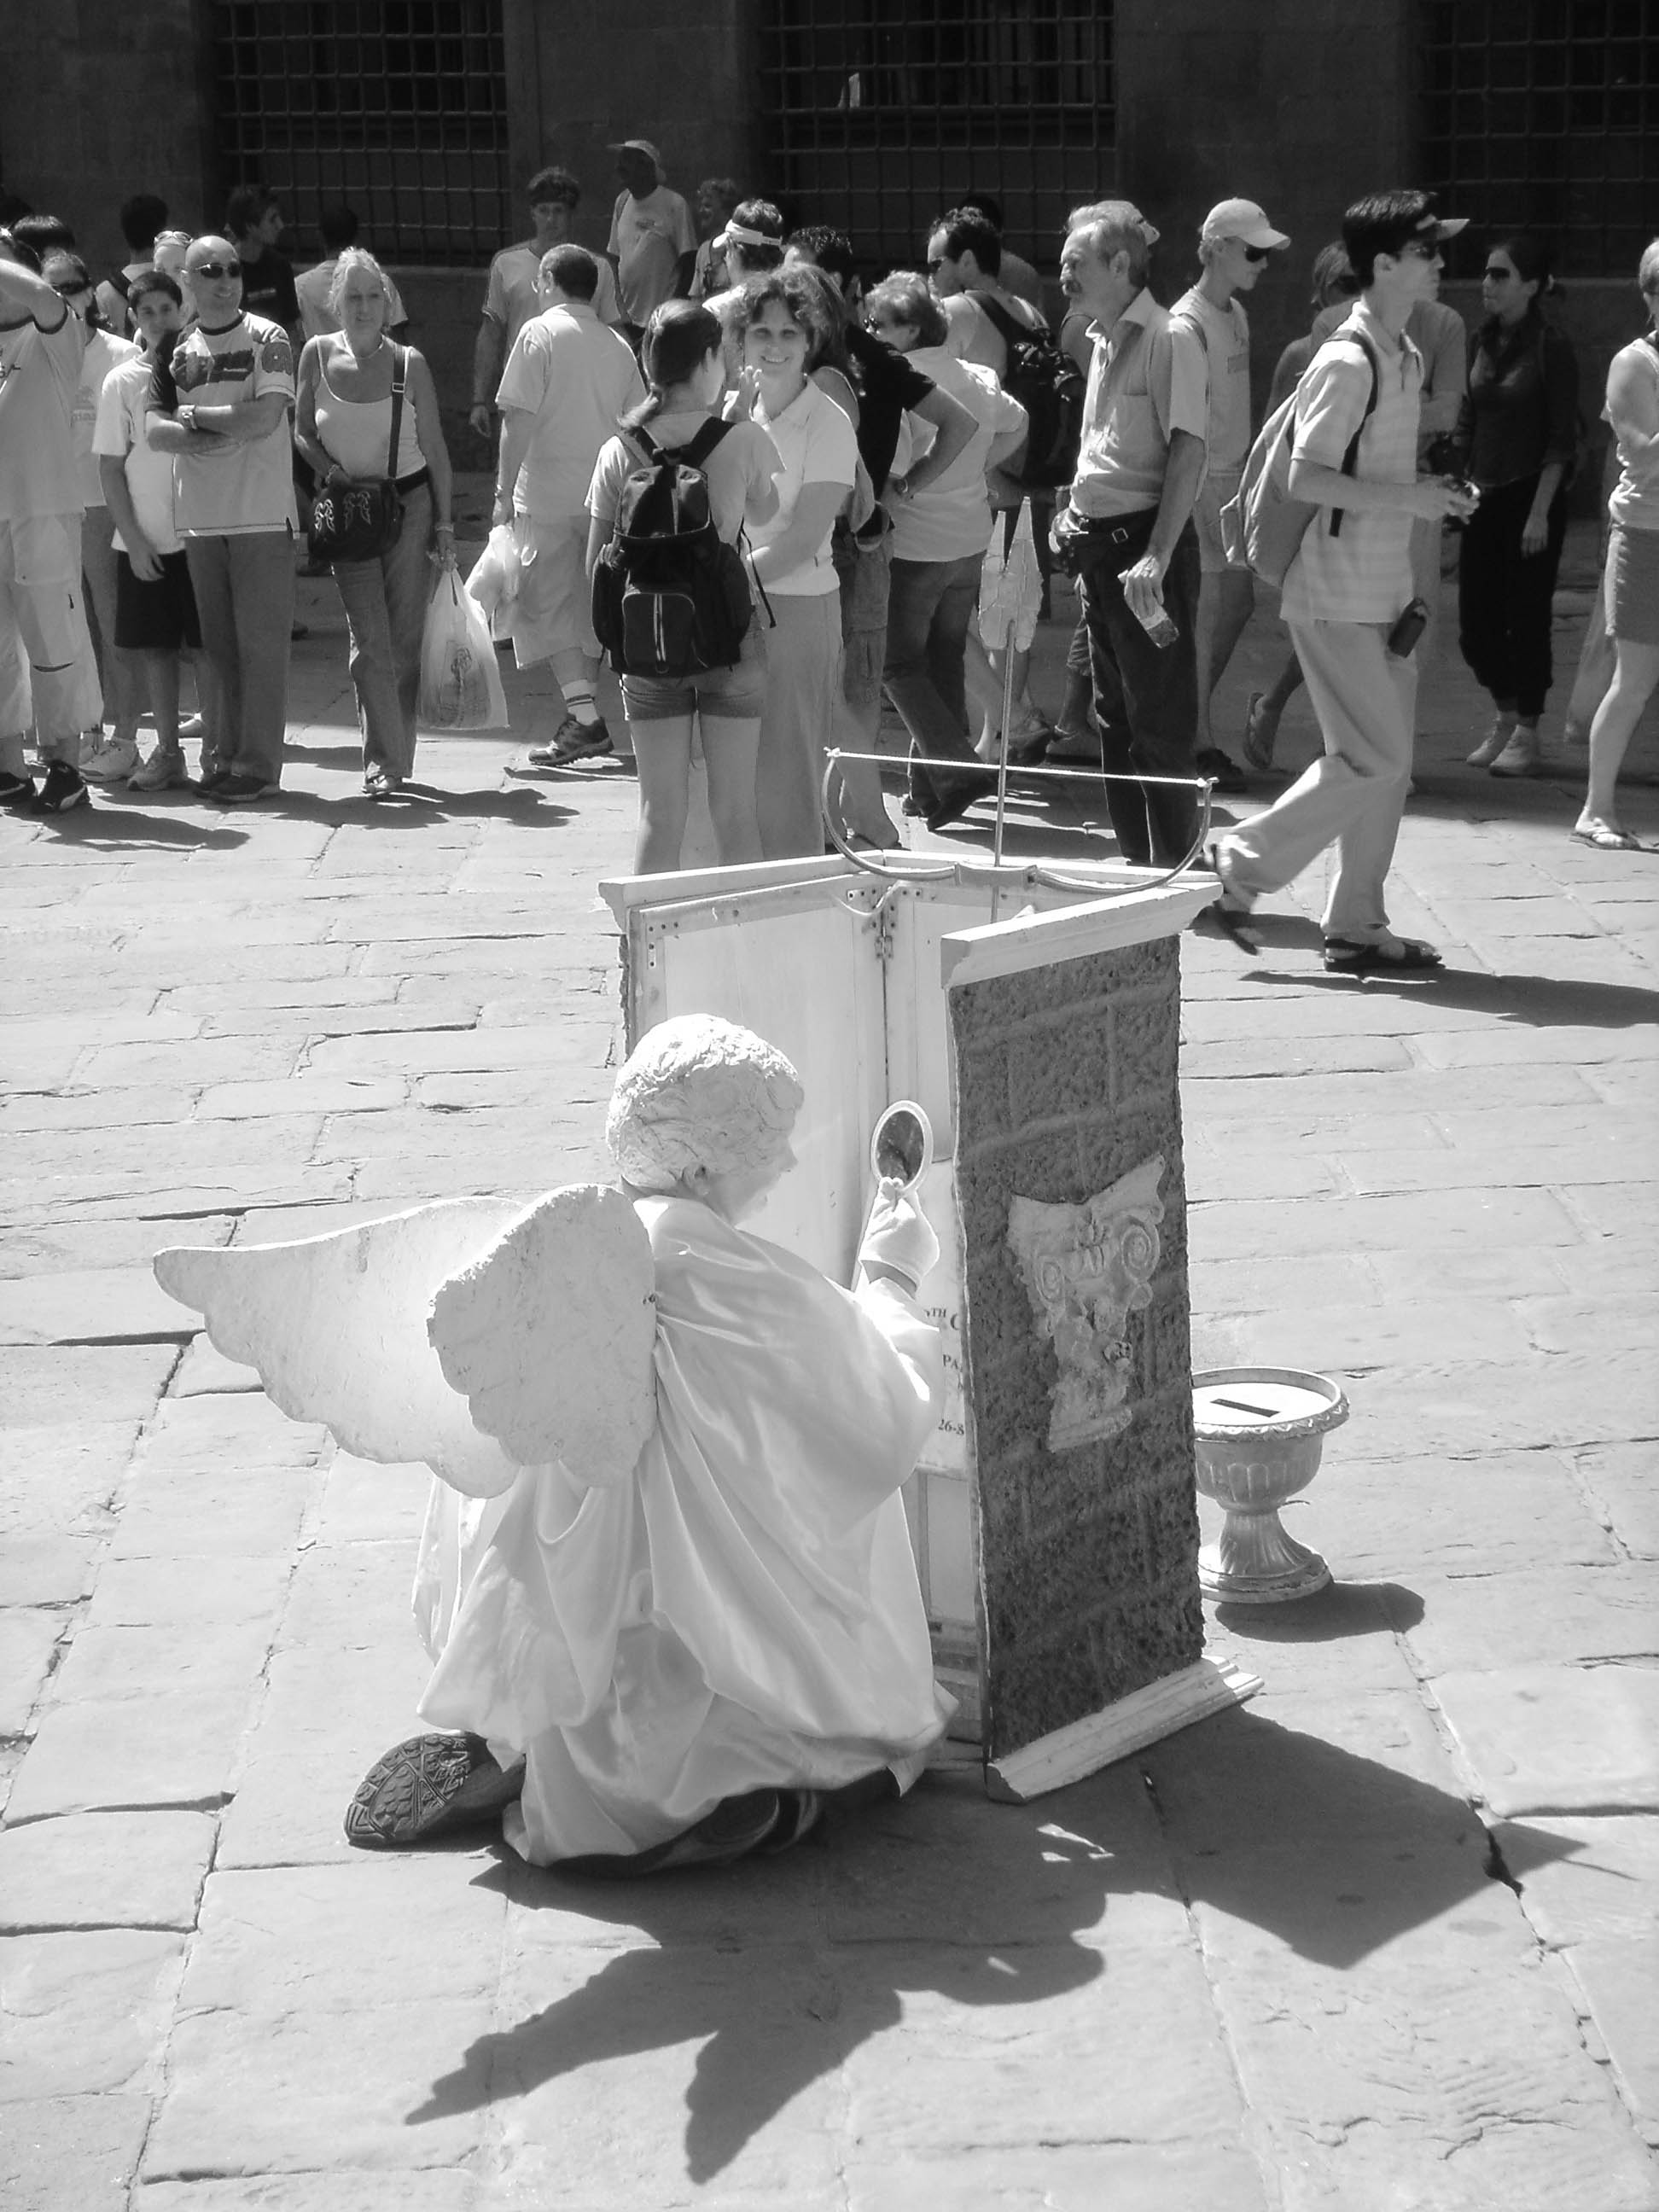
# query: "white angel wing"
x,y
336,1326
551,1334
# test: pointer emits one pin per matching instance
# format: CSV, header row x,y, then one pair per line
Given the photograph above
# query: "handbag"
x,y
360,521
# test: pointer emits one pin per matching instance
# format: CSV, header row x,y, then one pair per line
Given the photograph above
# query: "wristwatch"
x,y
187,415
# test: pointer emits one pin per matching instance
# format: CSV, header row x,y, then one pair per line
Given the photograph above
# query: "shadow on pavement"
x,y
117,820
780,1969
417,804
1537,1002
1341,1609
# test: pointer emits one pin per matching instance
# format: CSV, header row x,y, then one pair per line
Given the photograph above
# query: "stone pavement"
x,y
1382,1942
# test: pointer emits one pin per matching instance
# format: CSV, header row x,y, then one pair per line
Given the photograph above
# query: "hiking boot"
x,y
572,741
64,790
113,762
164,770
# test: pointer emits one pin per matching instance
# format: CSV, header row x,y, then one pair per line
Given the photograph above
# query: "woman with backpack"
x,y
783,326
1517,437
681,357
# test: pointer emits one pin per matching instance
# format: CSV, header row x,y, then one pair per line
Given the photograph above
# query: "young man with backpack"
x,y
566,380
1348,599
142,218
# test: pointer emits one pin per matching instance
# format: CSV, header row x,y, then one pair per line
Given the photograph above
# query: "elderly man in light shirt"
x,y
1128,534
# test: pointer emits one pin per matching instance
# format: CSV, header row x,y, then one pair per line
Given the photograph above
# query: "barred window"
x,y
1544,115
397,107
881,116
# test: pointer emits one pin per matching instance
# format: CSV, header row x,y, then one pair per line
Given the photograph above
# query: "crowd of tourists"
x,y
851,453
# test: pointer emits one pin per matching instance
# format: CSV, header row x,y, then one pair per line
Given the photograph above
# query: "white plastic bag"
x,y
460,683
497,573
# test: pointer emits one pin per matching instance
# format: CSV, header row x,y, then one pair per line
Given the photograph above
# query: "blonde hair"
x,y
355,256
1647,275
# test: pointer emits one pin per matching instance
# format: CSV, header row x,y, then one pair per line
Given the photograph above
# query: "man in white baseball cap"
x,y
653,241
1235,242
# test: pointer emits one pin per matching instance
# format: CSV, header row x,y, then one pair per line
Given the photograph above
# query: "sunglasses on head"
x,y
216,268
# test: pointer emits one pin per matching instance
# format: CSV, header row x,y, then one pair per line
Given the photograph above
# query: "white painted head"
x,y
700,1094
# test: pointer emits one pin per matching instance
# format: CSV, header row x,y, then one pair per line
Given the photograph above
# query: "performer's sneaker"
x,y
428,1787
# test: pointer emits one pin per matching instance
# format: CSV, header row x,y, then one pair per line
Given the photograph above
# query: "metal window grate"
x,y
879,116
1544,114
397,107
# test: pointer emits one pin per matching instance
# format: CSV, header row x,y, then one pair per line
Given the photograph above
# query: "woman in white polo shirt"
x,y
781,322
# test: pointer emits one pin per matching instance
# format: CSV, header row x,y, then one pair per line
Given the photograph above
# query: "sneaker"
x,y
15,790
164,770
91,744
241,790
1261,733
1496,742
65,788
113,762
1520,755
572,741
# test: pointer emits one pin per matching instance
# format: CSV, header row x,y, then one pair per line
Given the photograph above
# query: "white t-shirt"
x,y
39,371
103,354
311,289
121,431
816,444
512,296
575,377
1226,335
952,518
647,237
247,488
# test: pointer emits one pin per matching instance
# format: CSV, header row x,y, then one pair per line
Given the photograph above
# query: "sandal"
x,y
377,783
1606,839
1400,955
1233,922
737,1826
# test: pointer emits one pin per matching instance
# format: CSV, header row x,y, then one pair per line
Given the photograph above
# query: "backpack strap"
x,y
1350,459
1007,327
697,450
399,367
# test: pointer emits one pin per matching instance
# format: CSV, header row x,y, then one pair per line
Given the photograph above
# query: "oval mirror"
x,y
903,1144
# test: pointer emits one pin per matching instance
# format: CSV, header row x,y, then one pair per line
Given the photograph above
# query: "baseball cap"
x,y
1438,226
637,146
1241,219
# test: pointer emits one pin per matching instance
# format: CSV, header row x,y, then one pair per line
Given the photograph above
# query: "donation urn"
x,y
1258,1433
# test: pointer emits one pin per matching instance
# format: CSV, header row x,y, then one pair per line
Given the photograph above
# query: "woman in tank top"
x,y
1632,579
343,426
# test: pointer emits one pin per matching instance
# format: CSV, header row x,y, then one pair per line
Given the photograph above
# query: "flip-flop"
x,y
1344,958
1232,922
1607,841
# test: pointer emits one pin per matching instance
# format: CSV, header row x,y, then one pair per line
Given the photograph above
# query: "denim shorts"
x,y
730,695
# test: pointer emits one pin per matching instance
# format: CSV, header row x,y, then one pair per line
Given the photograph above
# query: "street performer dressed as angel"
x,y
666,1577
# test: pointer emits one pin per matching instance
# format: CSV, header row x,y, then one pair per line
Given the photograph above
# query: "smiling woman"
x,y
782,323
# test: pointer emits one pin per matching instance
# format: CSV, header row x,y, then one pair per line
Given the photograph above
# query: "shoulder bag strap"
x,y
400,363
1350,458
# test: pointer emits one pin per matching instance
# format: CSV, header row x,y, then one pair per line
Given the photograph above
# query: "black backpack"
x,y
671,598
1050,386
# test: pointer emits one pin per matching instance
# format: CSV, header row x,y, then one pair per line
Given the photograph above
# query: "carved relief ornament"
x,y
1086,1269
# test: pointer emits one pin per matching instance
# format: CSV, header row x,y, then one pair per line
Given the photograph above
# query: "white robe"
x,y
742,1610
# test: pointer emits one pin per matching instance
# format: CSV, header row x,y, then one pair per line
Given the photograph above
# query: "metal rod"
x,y
1002,762
1065,774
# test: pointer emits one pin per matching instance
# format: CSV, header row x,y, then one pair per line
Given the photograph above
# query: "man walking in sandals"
x,y
1348,604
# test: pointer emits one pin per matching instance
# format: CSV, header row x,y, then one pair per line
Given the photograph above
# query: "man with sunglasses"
x,y
1345,595
221,402
45,650
1235,242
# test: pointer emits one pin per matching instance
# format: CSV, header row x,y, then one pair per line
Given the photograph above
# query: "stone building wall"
x,y
1067,1080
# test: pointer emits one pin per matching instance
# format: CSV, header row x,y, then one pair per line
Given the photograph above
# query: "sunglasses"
x,y
74,291
216,269
1422,249
933,267
1498,276
1254,253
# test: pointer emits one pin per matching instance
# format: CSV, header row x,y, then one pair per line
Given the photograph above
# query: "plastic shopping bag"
x,y
460,683
497,573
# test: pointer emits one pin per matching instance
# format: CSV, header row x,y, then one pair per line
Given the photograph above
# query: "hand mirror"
x,y
903,1144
